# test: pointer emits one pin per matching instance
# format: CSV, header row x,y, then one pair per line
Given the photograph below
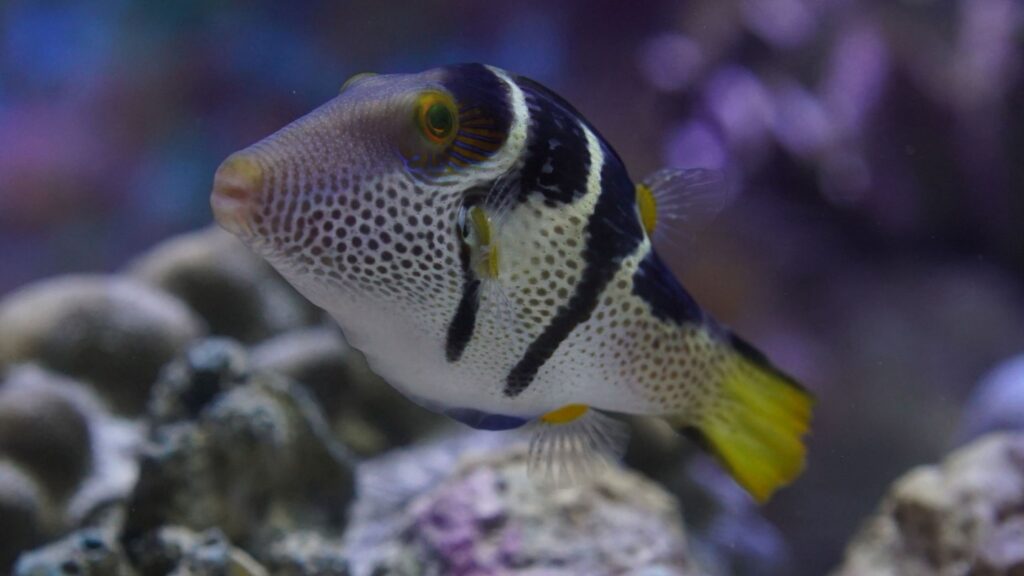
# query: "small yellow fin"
x,y
648,207
565,414
756,423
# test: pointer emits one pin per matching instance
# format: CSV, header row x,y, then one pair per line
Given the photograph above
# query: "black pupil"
x,y
439,119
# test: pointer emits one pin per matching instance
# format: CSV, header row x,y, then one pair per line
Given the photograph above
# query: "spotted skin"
x,y
354,234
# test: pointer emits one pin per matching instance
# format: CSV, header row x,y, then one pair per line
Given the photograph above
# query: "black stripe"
x,y
556,160
463,323
613,232
655,284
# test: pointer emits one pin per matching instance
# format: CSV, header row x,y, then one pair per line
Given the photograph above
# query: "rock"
x,y
77,460
368,414
186,387
248,454
466,506
116,446
113,332
23,513
87,552
306,554
178,551
44,427
319,358
998,401
963,516
1003,550
236,292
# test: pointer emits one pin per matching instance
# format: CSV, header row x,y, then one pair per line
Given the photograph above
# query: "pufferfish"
x,y
485,248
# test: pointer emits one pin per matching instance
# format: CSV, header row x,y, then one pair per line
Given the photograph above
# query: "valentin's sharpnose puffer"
x,y
486,249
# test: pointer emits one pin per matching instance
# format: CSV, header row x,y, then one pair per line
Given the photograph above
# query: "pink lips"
x,y
236,188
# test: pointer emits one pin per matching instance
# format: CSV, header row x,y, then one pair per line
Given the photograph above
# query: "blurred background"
x,y
875,250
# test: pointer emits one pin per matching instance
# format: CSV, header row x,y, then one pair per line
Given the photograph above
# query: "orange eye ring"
x,y
437,117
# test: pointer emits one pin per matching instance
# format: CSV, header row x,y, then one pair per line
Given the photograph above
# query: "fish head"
x,y
361,197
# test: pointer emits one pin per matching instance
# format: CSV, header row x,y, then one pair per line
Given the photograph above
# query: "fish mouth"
x,y
237,185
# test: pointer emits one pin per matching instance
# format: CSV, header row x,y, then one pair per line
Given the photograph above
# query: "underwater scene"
x,y
358,288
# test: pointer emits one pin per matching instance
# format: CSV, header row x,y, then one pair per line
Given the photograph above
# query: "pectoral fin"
x,y
675,203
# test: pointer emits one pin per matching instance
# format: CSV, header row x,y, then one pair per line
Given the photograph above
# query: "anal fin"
x,y
574,444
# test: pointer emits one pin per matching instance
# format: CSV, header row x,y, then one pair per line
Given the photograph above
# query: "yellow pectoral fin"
x,y
648,207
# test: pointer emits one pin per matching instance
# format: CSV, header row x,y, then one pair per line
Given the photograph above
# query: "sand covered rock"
x,y
466,506
235,292
113,332
964,516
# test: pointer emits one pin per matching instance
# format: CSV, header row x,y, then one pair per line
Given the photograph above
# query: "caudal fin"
x,y
753,422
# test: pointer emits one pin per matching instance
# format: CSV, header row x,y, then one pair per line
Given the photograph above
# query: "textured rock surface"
x,y
179,551
368,415
65,459
23,512
236,292
963,516
466,506
304,553
113,332
244,453
87,552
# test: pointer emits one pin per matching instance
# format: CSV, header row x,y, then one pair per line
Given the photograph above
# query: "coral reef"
x,y
964,516
113,332
241,452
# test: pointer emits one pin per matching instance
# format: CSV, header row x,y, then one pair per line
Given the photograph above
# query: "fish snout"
x,y
236,189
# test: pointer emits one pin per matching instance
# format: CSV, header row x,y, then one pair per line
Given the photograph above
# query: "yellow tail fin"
x,y
755,422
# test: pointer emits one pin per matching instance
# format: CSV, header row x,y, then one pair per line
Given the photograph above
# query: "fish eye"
x,y
436,117
439,120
